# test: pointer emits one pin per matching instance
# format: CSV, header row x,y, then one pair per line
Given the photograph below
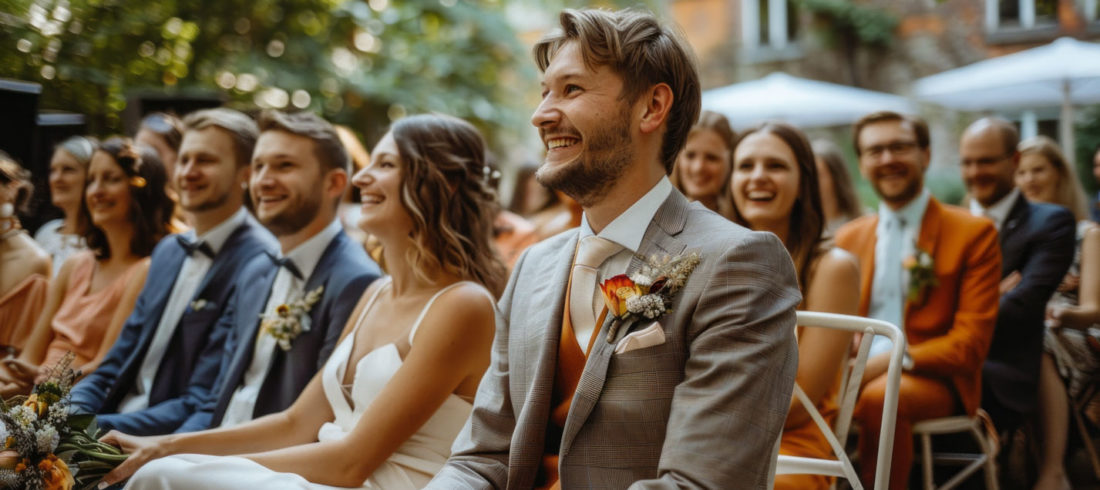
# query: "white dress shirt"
x,y
627,230
887,302
188,279
998,212
284,289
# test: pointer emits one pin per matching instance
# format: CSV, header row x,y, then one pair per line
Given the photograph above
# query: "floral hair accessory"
x,y
137,181
922,274
648,292
290,319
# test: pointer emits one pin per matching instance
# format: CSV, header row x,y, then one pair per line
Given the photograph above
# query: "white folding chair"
x,y
979,428
842,465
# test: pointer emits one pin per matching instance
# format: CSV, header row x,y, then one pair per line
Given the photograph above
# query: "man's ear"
x,y
335,183
658,102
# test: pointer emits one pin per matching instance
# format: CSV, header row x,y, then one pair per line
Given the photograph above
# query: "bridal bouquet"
x,y
46,448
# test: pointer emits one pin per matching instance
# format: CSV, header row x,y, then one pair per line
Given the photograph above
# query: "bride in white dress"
x,y
397,389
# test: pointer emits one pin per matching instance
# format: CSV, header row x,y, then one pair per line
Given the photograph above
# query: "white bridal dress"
x,y
411,466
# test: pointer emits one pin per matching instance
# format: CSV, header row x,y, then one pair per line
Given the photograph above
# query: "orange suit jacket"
x,y
950,329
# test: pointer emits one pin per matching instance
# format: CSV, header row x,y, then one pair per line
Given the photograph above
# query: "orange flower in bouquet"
x,y
56,474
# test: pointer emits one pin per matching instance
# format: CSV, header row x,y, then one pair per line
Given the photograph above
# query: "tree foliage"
x,y
356,62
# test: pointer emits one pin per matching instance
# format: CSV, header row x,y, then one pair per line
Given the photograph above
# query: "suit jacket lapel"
x,y
659,240
248,325
1010,252
930,228
868,238
226,257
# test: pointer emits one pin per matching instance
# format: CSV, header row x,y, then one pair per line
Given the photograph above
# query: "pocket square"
x,y
650,336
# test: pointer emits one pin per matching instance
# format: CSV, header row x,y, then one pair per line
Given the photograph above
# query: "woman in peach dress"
x,y
96,289
24,267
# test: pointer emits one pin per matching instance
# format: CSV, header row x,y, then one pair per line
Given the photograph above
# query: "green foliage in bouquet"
x,y
46,448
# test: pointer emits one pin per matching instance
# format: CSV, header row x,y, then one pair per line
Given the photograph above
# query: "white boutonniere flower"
x,y
290,319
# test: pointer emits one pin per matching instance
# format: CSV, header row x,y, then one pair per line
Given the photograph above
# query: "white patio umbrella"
x,y
1063,73
798,101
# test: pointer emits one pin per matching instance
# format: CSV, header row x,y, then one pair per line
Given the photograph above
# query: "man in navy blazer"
x,y
168,353
299,171
1037,244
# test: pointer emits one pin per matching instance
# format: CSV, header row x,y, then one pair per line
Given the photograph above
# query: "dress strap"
x,y
428,305
370,303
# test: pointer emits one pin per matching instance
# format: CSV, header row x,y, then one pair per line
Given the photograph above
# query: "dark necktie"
x,y
197,246
287,263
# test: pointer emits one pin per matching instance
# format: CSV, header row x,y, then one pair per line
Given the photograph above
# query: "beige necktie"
x,y
591,252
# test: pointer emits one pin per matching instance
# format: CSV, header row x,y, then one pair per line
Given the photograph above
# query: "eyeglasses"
x,y
894,147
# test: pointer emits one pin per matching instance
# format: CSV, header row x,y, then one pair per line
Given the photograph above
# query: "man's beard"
x,y
206,205
293,218
588,179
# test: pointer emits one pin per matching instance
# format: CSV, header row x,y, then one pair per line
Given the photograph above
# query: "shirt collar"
x,y
625,229
911,214
308,253
998,212
216,237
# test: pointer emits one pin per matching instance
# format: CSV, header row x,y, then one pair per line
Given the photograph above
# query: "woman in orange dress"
x,y
95,290
24,266
774,186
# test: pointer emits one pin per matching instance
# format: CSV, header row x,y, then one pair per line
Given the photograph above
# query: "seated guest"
x,y
838,197
703,168
25,274
1036,251
1069,363
169,352
597,380
397,390
68,167
163,132
929,268
96,289
775,189
288,307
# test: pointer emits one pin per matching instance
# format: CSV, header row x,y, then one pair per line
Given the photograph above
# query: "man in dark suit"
x,y
168,353
1037,242
290,307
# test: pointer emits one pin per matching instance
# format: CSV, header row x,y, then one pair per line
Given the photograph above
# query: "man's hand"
x,y
1069,283
1010,282
141,449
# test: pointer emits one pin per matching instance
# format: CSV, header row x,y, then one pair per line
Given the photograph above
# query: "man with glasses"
x,y
1037,244
929,268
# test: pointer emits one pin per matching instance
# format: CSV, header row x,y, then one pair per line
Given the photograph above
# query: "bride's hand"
x,y
141,449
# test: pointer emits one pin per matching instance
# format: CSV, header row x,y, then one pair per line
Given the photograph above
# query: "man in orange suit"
x,y
929,268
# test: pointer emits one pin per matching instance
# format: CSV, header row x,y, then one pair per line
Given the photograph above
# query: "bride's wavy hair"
x,y
446,194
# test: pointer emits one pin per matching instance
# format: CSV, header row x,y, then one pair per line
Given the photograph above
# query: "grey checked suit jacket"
x,y
702,410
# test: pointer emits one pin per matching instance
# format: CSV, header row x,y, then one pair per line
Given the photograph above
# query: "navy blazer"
x,y
1096,210
191,362
345,271
1038,240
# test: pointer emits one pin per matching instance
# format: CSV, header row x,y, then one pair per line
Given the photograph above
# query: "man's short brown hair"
x,y
326,143
637,47
241,128
920,128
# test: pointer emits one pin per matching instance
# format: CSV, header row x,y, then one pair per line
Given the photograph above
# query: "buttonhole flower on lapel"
x,y
198,304
922,274
648,292
290,319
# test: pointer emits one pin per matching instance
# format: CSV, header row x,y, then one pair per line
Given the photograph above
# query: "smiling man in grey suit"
x,y
696,393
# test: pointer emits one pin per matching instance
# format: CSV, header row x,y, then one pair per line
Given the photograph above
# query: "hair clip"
x,y
137,181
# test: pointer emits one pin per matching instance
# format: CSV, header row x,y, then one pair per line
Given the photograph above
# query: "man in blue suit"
x,y
168,353
1037,242
290,307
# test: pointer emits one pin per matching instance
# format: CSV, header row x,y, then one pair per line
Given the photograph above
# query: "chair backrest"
x,y
846,400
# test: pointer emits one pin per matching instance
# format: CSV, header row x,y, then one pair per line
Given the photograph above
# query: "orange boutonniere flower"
x,y
647,293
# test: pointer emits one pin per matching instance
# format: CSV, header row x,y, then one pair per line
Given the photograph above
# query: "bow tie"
x,y
287,263
196,246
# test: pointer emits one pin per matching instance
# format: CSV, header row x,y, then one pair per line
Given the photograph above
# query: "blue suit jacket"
x,y
191,362
345,271
1037,240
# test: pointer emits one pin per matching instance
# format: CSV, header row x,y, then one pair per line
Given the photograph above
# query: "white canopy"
x,y
1063,73
798,101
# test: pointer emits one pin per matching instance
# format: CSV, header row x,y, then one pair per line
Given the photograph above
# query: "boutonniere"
x,y
198,304
922,274
290,319
648,292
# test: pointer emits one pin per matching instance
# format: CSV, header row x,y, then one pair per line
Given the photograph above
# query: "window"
x,y
1020,14
768,23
